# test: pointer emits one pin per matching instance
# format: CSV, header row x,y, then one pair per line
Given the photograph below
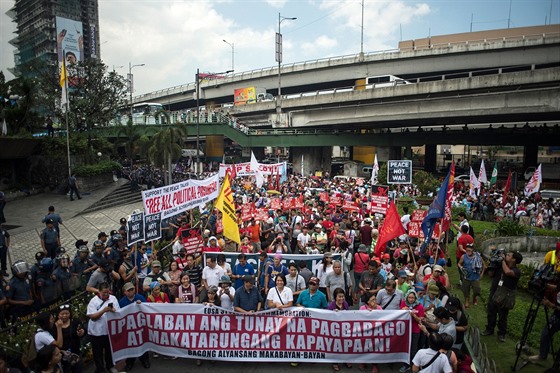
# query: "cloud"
x,y
318,46
382,19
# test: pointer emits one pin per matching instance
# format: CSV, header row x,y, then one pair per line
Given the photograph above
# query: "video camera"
x,y
496,258
542,276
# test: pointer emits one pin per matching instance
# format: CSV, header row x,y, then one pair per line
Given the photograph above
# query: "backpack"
x,y
29,352
471,231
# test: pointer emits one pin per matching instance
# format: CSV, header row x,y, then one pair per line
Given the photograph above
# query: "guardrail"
x,y
343,59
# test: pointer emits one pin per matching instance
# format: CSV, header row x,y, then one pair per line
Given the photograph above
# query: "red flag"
x,y
446,221
506,189
392,227
233,171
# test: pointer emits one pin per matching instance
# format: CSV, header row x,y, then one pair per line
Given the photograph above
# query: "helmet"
x,y
59,251
20,266
39,255
64,260
98,244
83,249
117,237
46,265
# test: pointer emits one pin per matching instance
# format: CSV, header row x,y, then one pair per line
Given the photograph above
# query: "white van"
x,y
384,81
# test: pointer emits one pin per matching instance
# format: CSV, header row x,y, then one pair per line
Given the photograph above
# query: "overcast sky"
x,y
174,38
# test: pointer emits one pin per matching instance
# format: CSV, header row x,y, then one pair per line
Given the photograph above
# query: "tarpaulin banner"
x,y
289,335
173,199
244,169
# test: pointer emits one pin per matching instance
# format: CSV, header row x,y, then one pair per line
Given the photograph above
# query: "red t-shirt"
x,y
463,241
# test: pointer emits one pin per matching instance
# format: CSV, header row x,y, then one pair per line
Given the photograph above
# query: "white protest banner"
x,y
295,334
244,169
173,199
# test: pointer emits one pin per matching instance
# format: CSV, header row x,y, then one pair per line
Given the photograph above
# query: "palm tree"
x,y
129,136
166,146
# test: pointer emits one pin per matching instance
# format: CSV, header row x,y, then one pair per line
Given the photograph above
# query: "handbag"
x,y
70,357
347,294
504,297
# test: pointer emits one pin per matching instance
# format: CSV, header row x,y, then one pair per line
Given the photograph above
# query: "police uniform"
x,y
20,290
4,238
50,238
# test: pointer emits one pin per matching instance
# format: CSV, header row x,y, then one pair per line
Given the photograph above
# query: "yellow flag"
x,y
64,86
225,204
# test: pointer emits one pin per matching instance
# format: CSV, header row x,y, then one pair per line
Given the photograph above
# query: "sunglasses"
x,y
65,307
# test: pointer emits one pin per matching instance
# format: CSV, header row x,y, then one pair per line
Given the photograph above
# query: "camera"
x,y
541,277
496,258
110,305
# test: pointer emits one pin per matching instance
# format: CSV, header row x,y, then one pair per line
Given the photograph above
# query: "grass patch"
x,y
504,354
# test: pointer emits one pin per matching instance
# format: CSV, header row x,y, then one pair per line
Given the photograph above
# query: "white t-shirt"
x,y
212,275
42,339
440,365
303,239
99,327
275,295
225,301
295,283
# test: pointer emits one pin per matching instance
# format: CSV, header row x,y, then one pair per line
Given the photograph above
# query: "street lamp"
x,y
197,77
232,53
130,84
279,60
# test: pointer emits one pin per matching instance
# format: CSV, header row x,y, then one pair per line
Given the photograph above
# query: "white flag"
x,y
482,179
534,184
473,184
255,168
302,165
374,171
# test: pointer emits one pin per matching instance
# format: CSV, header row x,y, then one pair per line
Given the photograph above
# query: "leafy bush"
x,y
99,168
425,182
510,228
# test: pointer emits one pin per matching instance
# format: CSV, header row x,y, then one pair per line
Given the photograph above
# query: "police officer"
x,y
4,245
50,240
19,293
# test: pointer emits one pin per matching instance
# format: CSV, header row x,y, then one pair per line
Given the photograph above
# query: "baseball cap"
x,y
50,221
453,304
438,268
80,243
128,286
156,263
313,281
402,274
386,256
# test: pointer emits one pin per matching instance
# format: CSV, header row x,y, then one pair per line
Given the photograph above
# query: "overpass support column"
x,y
530,156
316,158
259,153
430,158
395,152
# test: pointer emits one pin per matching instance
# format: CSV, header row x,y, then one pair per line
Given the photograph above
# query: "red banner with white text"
x,y
291,335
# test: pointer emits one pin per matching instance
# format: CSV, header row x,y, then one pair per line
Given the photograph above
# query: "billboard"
x,y
70,46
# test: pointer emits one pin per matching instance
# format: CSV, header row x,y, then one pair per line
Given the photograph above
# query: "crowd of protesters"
x,y
402,277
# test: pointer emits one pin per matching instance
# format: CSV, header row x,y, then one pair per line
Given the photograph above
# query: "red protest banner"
x,y
418,215
193,243
294,334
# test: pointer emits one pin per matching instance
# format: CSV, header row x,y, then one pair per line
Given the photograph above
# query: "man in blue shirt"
x,y
312,297
240,270
130,297
248,299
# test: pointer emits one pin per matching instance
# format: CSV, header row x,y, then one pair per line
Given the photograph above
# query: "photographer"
x,y
278,246
502,293
551,300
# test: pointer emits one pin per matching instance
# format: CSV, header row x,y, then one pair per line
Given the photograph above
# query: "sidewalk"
x,y
23,218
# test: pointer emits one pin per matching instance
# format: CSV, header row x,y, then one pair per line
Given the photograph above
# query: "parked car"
x,y
465,178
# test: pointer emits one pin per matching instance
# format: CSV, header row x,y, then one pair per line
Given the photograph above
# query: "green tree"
x,y
425,182
166,146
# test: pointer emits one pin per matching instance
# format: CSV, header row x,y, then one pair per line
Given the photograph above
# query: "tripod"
x,y
529,322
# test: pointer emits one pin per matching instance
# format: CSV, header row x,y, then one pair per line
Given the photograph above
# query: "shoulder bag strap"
x,y
389,302
431,361
280,297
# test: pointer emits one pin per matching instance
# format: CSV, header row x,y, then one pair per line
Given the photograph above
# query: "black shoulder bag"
x,y
430,362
